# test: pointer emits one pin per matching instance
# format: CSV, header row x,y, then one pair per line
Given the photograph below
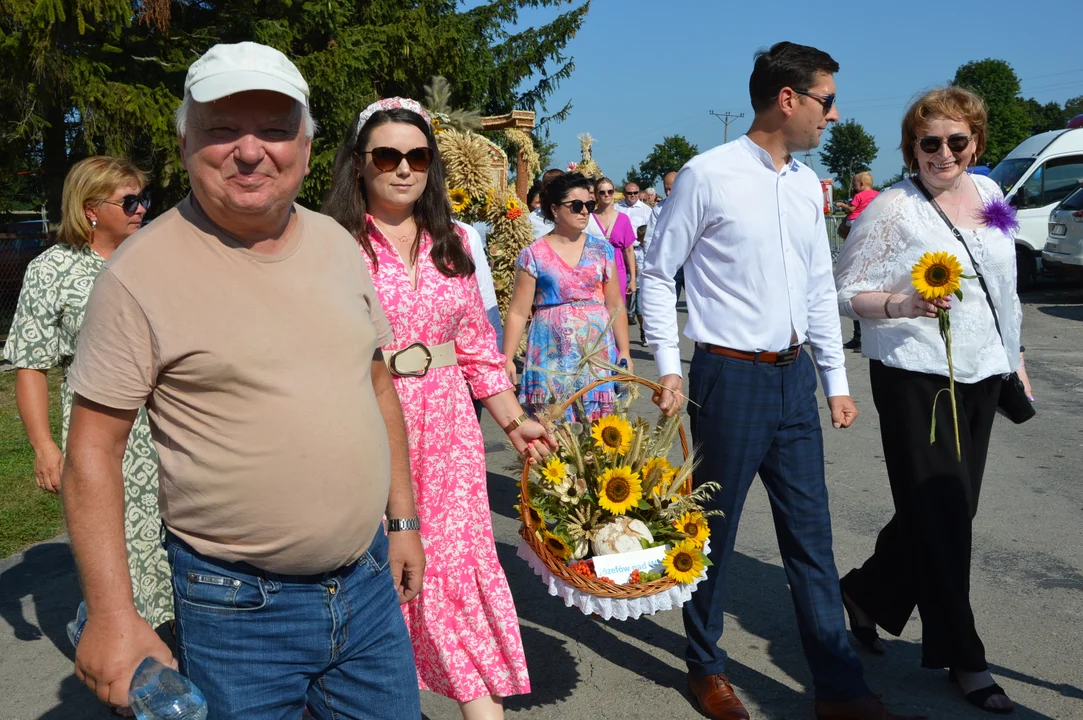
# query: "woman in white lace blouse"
x,y
922,555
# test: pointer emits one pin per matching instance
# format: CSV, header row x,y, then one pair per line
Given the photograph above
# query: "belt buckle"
x,y
392,364
787,357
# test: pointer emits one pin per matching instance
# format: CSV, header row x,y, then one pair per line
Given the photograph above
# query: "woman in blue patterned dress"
x,y
571,279
103,205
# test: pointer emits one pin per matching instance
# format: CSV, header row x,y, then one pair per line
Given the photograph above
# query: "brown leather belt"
x,y
786,357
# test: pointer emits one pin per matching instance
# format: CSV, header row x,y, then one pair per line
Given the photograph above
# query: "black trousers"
x,y
922,556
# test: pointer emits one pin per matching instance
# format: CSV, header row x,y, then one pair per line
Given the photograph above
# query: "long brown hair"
x,y
347,201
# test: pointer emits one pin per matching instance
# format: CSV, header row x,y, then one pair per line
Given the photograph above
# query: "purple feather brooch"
x,y
1000,215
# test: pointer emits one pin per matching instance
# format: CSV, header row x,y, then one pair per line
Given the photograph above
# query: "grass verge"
x,y
27,514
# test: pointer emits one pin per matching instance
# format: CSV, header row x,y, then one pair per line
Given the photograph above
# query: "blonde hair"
x,y
864,178
89,183
951,102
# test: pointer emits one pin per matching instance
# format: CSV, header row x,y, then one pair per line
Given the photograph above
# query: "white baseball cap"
x,y
229,69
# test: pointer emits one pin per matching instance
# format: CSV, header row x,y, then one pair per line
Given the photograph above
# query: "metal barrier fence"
x,y
19,244
833,222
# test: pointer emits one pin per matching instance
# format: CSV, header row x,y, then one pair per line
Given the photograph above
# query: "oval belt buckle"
x,y
393,365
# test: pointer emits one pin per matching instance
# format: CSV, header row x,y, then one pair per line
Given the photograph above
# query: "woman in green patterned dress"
x,y
103,205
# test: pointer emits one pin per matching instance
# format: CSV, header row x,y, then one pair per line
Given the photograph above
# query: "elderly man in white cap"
x,y
250,328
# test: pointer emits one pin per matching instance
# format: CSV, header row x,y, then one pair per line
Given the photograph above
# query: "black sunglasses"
x,y
956,143
631,192
576,206
387,159
130,203
827,101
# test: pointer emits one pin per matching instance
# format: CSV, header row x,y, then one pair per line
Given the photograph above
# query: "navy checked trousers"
x,y
750,417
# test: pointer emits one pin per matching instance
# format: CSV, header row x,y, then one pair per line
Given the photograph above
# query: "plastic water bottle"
x,y
157,692
161,693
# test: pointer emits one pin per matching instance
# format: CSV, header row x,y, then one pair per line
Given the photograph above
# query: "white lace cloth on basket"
x,y
610,608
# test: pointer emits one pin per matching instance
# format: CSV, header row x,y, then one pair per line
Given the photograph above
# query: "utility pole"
x,y
726,118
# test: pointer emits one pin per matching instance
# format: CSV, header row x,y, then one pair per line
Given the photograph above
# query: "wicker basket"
x,y
556,566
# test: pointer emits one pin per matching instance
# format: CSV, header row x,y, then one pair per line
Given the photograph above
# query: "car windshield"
x,y
1073,202
1008,172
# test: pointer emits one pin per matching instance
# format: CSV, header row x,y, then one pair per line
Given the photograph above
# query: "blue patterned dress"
x,y
569,318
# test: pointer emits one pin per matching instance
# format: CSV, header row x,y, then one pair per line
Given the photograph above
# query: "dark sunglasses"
x,y
130,203
606,192
631,192
387,159
576,206
827,101
956,143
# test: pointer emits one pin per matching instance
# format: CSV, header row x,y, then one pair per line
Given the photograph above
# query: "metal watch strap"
x,y
398,524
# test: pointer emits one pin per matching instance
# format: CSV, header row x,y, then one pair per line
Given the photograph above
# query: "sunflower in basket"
x,y
609,488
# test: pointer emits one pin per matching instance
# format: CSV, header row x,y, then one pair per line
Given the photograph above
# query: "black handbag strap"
x,y
959,237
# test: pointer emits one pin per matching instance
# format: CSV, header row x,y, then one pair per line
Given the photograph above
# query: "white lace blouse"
x,y
887,241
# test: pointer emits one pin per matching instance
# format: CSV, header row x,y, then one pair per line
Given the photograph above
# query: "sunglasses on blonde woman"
x,y
130,203
387,159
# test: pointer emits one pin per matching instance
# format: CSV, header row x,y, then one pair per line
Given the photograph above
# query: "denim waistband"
x,y
247,568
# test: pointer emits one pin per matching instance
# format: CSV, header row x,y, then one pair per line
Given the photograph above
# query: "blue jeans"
x,y
263,646
750,418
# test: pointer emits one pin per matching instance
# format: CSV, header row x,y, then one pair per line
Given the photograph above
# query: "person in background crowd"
x,y
537,218
388,190
922,556
616,228
570,278
733,213
533,196
650,196
639,214
656,212
252,327
103,204
863,195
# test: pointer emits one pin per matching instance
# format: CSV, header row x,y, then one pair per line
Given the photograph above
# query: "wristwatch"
x,y
397,524
515,423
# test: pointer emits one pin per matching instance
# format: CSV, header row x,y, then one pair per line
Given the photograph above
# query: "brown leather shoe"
x,y
715,698
867,707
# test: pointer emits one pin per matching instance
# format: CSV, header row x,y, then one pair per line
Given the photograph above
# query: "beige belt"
x,y
416,359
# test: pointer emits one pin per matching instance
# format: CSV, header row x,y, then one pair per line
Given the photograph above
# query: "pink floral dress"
x,y
463,625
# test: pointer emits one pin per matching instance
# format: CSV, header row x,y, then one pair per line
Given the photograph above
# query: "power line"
x,y
726,118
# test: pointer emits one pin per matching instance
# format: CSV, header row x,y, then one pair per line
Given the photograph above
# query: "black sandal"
x,y
979,697
867,636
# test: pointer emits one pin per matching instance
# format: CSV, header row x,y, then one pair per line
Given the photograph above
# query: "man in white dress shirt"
x,y
633,206
745,219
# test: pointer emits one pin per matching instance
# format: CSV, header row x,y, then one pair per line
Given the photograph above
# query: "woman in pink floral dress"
x,y
388,189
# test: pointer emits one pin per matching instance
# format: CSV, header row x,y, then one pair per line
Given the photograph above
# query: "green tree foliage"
x,y
1009,121
669,155
81,77
850,149
1050,116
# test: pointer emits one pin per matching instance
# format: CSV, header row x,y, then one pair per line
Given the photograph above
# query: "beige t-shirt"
x,y
255,370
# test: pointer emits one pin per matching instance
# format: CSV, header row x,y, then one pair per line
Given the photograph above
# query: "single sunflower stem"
x,y
951,384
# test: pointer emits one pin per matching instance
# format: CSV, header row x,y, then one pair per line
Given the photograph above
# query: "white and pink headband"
x,y
395,103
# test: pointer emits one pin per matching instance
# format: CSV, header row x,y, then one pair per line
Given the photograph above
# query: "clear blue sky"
x,y
649,69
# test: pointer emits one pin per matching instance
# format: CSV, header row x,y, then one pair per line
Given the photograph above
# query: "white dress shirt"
x,y
886,241
484,275
652,224
757,264
639,213
539,223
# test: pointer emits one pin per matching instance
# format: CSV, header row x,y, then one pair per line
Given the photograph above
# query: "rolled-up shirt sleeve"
x,y
676,232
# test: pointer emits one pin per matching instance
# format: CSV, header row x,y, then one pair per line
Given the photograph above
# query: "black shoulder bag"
x,y
1013,402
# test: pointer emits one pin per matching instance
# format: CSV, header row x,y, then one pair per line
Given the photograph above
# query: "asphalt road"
x,y
1027,581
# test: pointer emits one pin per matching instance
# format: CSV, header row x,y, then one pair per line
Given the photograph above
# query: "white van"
x,y
1035,176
